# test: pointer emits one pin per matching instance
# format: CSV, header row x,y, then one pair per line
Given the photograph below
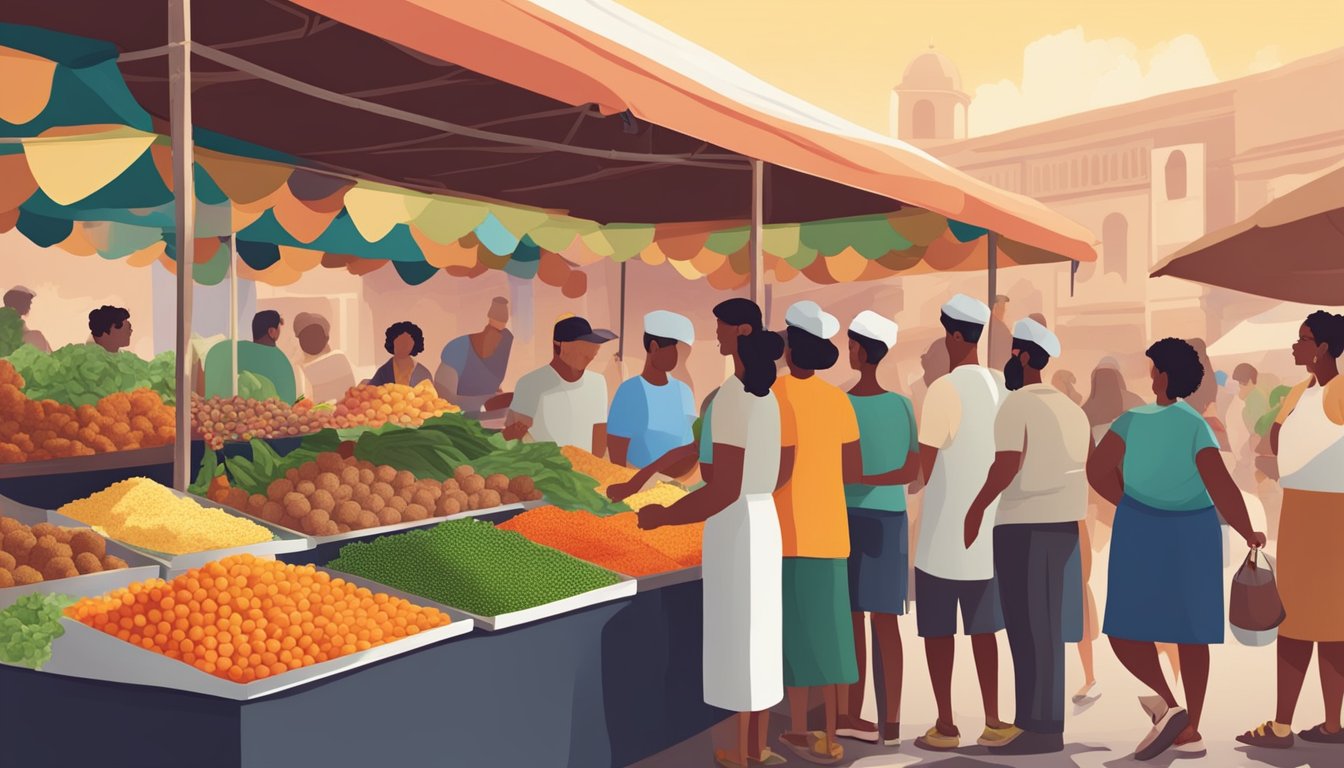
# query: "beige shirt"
x,y
1054,435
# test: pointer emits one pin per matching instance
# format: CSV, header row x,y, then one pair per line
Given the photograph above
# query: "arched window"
x,y
1115,245
1176,175
924,120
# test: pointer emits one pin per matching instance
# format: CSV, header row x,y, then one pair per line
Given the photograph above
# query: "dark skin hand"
x,y
1001,473
1104,473
674,463
724,488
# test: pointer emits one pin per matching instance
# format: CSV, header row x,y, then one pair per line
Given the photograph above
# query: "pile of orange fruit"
x,y
398,404
35,430
246,619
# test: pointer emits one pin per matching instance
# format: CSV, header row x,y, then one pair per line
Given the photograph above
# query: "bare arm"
x,y
928,457
668,464
851,456
907,473
1274,438
618,449
1001,473
1226,496
724,488
786,458
600,439
1104,468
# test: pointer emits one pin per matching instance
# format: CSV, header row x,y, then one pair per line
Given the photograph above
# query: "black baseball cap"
x,y
578,329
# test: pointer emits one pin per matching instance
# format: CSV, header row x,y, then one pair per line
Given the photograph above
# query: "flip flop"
x,y
723,758
1087,695
815,751
1318,735
769,757
936,741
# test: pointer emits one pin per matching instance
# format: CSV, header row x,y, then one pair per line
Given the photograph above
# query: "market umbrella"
x,y
1292,249
1275,329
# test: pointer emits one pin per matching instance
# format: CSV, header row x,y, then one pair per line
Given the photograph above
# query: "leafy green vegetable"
x,y
427,454
210,469
253,386
553,475
28,627
256,474
83,374
11,331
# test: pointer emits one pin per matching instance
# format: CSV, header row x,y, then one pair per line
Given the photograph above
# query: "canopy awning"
x,y
579,110
1272,330
1292,249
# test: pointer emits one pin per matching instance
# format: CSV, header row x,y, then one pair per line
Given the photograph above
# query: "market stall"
x,y
532,138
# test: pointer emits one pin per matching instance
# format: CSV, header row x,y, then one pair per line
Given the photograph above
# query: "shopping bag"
x,y
1254,606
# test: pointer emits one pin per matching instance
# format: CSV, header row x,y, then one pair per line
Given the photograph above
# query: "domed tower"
x,y
929,105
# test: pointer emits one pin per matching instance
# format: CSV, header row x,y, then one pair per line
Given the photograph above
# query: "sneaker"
x,y
1264,737
1164,734
857,728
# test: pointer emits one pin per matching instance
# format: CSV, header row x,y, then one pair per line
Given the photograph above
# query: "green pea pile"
x,y
473,566
28,627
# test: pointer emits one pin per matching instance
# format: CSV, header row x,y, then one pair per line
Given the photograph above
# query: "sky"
x,y
1022,61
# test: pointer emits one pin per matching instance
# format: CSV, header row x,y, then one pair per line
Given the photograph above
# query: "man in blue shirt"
x,y
652,413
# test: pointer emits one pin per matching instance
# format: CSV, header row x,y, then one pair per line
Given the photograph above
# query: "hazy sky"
x,y
1021,60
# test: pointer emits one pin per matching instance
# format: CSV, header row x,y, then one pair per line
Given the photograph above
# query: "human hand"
x,y
652,516
1256,540
515,430
972,530
621,491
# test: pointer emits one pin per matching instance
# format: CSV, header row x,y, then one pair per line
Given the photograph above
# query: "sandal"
x,y
1264,737
724,759
768,757
1318,735
936,741
816,750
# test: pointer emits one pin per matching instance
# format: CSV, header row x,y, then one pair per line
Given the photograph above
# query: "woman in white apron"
x,y
1310,572
741,573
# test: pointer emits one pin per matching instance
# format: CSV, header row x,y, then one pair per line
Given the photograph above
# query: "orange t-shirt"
x,y
817,420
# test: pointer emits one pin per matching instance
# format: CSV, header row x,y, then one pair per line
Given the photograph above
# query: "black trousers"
x,y
1039,568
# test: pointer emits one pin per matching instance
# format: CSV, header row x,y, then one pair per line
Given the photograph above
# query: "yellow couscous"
x,y
145,514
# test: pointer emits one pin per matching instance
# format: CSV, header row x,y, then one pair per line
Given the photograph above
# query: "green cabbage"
x,y
83,374
11,331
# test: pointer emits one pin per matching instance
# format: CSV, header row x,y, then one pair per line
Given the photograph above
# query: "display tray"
x,y
283,541
87,585
85,652
378,530
140,457
645,583
626,587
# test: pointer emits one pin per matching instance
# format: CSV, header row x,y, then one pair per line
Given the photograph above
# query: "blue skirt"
x,y
1165,581
879,561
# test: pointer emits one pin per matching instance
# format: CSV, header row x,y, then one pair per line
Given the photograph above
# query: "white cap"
x,y
809,316
669,325
964,308
871,325
1027,329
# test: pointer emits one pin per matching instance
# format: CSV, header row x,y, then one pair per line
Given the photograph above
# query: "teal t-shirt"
x,y
1161,443
260,359
887,435
706,436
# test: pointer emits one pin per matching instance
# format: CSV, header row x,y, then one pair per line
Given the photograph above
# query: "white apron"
x,y
743,613
1311,447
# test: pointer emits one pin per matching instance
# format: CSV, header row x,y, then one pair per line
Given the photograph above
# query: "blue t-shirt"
x,y
654,419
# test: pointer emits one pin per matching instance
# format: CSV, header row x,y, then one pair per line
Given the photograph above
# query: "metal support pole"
x,y
757,231
233,314
620,339
993,286
184,204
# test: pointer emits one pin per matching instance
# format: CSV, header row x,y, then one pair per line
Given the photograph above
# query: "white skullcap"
x,y
809,316
669,325
964,308
1027,329
871,325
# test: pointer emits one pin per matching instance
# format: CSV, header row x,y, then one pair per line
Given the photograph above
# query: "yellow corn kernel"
x,y
145,514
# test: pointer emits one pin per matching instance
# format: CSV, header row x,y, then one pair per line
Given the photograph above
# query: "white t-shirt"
x,y
1053,433
746,421
958,419
562,412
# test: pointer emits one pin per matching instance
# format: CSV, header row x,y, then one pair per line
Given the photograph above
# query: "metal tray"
x,y
284,541
87,585
140,457
87,653
626,587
